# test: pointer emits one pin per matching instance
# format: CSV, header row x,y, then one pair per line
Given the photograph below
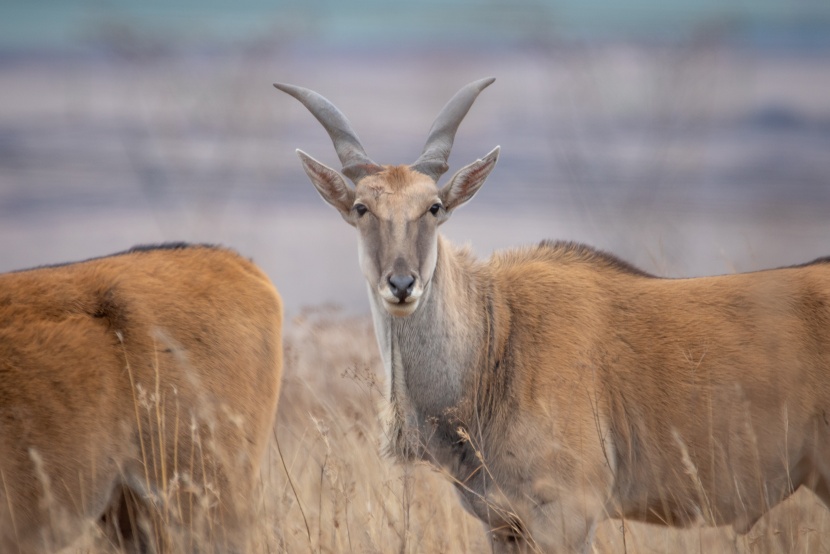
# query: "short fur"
x,y
135,389
558,385
668,401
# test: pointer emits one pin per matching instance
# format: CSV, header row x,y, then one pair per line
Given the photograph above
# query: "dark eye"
x,y
434,209
360,209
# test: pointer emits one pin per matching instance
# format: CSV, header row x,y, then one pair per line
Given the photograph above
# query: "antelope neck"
x,y
429,355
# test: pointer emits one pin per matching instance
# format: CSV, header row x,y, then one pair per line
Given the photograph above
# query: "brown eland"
x,y
557,385
137,391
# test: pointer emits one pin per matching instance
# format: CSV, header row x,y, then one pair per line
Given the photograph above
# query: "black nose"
x,y
401,285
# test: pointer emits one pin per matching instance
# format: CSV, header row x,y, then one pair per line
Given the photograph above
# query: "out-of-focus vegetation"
x,y
326,487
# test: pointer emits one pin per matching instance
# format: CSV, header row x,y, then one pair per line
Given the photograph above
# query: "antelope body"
x,y
136,390
558,385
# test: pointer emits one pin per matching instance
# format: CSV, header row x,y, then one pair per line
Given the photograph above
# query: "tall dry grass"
x,y
349,498
336,491
327,488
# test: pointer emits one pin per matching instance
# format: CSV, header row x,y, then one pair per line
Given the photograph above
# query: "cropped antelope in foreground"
x,y
139,391
557,385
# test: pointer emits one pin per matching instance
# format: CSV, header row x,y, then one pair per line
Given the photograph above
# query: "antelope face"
x,y
397,213
396,209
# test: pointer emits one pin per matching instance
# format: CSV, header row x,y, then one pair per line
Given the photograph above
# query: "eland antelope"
x,y
558,385
139,391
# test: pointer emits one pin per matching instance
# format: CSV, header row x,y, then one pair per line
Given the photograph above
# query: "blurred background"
x,y
688,137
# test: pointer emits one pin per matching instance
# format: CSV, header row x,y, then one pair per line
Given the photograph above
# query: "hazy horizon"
x,y
54,25
688,138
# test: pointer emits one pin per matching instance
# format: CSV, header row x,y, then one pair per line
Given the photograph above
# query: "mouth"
x,y
394,304
401,308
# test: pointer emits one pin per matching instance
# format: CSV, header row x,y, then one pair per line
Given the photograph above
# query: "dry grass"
x,y
326,487
343,494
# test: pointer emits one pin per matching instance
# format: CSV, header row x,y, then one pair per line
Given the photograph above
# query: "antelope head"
x,y
396,209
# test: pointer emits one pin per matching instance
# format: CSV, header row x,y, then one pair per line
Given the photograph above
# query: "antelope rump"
x,y
137,391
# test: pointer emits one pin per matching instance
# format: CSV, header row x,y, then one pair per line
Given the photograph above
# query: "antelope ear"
x,y
466,182
329,183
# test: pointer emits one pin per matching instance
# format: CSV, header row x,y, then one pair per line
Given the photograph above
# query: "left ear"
x,y
466,182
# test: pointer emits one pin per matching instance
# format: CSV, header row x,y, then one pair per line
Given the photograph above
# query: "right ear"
x,y
330,184
468,180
